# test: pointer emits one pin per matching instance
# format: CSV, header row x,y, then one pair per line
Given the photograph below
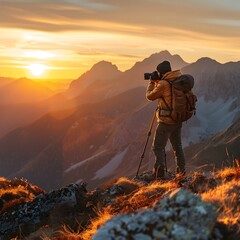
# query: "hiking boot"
x,y
158,173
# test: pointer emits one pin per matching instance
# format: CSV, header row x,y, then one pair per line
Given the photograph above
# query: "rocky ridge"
x,y
136,209
181,215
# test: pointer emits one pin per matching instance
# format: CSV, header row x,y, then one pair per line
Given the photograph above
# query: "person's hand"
x,y
155,82
151,82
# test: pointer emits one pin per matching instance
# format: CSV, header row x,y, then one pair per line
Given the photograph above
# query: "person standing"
x,y
167,128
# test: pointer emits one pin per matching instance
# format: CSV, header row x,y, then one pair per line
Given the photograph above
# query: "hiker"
x,y
167,128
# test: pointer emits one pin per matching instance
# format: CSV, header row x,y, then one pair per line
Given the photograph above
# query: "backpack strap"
x,y
170,109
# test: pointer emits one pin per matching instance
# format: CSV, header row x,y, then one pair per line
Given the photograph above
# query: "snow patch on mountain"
x,y
213,117
77,165
111,166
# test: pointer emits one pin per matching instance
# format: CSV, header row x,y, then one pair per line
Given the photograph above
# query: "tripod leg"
x,y
149,134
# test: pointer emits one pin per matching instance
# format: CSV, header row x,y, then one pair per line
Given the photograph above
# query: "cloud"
x,y
82,32
136,17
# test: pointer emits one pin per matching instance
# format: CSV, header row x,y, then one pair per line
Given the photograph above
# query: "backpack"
x,y
183,101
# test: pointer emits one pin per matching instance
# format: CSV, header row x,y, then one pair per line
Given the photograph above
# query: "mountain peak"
x,y
153,60
207,60
102,70
104,66
164,54
203,64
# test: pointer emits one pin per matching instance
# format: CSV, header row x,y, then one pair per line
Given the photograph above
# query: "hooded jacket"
x,y
162,90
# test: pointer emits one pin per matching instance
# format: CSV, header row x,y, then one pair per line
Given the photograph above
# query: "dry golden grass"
x,y
140,198
16,191
145,196
128,185
227,174
223,192
87,234
226,198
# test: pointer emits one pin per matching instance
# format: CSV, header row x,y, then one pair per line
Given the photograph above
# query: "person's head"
x,y
164,67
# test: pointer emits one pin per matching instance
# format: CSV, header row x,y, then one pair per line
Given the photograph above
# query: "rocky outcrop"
x,y
24,218
181,215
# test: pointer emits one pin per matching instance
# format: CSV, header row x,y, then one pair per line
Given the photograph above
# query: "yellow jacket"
x,y
162,90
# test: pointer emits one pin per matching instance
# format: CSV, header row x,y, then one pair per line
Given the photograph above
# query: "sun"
x,y
37,69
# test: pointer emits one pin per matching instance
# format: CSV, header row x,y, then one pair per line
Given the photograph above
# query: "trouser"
x,y
162,134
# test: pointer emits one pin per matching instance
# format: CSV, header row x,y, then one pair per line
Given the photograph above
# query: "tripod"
x,y
148,136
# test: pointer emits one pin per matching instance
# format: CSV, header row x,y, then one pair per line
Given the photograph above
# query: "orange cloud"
x,y
81,33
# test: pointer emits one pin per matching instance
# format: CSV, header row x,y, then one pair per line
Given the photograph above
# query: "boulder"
x,y
30,216
181,215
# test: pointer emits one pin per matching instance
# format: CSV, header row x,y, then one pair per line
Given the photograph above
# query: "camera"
x,y
153,76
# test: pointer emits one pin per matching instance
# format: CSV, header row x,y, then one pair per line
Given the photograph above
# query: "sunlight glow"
x,y
38,54
37,69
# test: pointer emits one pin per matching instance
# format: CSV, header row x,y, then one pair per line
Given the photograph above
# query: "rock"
x,y
181,215
141,236
200,182
145,177
32,215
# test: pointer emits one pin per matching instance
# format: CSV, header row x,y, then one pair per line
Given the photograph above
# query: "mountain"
x,y
56,85
28,144
216,152
5,81
97,143
217,87
23,91
101,71
20,102
23,101
135,76
91,126
104,80
215,80
17,115
99,134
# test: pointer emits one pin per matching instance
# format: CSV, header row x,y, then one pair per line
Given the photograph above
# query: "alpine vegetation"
x,y
195,206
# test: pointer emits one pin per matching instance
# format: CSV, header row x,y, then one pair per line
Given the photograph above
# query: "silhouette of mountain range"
x,y
5,81
96,129
21,102
23,91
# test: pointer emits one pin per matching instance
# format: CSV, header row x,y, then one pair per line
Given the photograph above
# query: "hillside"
x,y
224,147
4,81
110,148
100,72
23,91
21,102
89,126
216,152
198,206
217,87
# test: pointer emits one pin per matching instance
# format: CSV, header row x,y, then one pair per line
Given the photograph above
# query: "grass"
x,y
16,191
221,188
226,198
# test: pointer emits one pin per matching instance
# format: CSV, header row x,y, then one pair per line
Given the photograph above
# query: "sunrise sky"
x,y
64,38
